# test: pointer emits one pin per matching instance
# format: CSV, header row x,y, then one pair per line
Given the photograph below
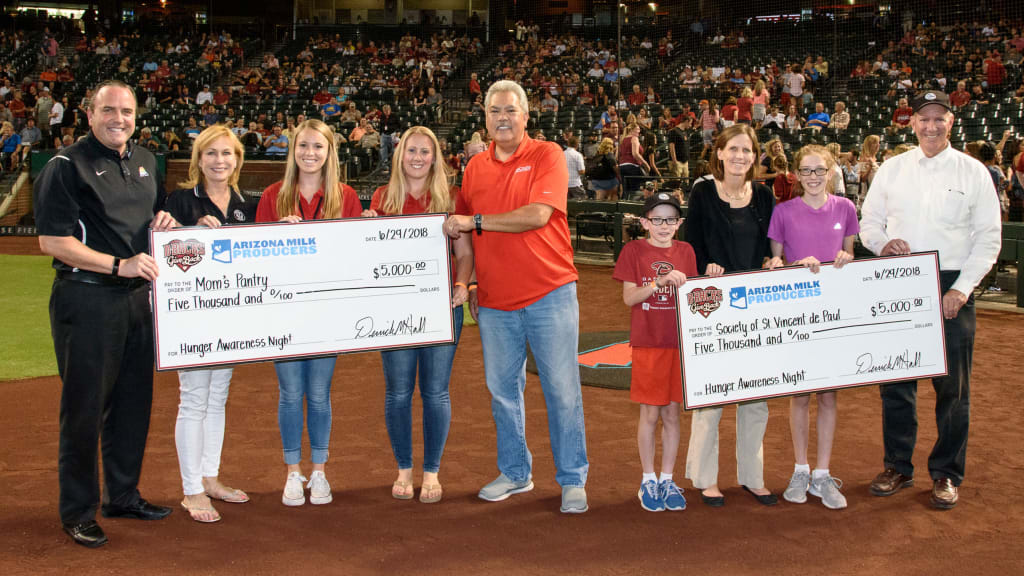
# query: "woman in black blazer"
x,y
727,225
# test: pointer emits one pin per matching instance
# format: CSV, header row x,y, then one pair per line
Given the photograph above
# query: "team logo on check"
x,y
704,301
184,253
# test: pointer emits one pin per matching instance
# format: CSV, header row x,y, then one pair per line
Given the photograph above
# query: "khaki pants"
x,y
702,455
678,169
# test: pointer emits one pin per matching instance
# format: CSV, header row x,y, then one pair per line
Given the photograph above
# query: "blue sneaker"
x,y
650,497
671,495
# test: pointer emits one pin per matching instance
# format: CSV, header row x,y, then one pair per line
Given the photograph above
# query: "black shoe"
x,y
765,499
88,534
141,510
713,501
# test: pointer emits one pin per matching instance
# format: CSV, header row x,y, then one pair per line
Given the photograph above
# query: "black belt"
x,y
101,279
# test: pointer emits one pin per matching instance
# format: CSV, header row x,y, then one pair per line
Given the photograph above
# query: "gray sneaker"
x,y
796,492
827,489
574,499
502,487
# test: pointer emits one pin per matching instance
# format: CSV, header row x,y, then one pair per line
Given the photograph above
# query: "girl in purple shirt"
x,y
814,227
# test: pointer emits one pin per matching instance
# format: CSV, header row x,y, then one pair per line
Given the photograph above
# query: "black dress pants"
x,y
103,339
952,403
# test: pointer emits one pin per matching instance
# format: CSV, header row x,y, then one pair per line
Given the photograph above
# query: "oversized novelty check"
x,y
275,291
756,335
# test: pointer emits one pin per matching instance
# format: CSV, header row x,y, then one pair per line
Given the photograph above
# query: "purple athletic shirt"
x,y
804,231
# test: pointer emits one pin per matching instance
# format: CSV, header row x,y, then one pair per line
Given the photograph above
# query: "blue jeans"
x,y
387,147
551,327
435,369
310,379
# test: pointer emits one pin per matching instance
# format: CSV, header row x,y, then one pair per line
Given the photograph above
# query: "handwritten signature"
x,y
902,361
364,327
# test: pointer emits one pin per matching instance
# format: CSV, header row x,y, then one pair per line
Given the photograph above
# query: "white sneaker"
x,y
796,492
827,488
319,488
294,494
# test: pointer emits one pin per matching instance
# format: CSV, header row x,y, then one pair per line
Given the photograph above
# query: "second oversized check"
x,y
265,292
757,335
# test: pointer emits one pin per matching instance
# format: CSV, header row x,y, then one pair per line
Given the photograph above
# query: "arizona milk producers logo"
x,y
184,253
704,300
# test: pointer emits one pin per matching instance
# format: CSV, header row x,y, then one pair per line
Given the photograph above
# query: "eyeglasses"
x,y
815,171
659,221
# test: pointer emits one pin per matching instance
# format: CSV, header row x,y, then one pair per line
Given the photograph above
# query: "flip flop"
x,y
431,489
230,495
195,512
402,490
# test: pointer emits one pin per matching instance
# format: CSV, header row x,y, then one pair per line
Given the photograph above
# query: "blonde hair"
x,y
871,145
606,146
437,178
825,155
629,129
746,93
203,141
759,87
835,150
330,178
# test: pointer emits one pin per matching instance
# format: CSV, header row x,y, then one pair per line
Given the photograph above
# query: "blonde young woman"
x,y
419,185
210,198
817,226
633,167
311,190
761,98
867,164
604,173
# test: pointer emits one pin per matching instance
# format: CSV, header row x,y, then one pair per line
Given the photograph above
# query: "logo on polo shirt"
x,y
142,172
184,253
239,215
523,169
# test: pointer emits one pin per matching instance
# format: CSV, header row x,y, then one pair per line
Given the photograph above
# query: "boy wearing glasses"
x,y
649,270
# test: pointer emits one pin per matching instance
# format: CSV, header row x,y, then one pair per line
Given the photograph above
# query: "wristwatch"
x,y
478,221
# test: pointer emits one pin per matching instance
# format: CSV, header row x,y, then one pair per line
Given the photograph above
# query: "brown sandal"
x,y
402,490
431,493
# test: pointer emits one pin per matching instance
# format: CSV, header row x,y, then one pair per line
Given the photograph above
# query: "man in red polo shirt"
x,y
513,202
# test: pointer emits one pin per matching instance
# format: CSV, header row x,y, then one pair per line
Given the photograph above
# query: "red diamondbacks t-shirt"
x,y
652,322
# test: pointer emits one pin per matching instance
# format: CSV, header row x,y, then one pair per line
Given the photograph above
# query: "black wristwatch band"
x,y
117,264
478,221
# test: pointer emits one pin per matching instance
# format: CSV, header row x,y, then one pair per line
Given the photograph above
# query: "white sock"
x,y
664,476
819,473
802,468
652,477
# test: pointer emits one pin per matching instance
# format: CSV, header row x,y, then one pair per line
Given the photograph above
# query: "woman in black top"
x,y
210,198
727,225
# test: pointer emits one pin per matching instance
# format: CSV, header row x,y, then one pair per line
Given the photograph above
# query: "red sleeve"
x,y
266,211
351,207
378,198
625,266
551,185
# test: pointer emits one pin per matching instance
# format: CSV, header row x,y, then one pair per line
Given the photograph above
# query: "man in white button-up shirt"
x,y
934,198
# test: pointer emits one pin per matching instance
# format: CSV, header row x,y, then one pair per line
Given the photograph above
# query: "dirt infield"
x,y
365,531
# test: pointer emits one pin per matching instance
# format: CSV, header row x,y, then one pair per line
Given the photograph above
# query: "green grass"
x,y
24,317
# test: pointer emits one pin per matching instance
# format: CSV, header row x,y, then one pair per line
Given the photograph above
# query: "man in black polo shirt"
x,y
679,148
94,201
